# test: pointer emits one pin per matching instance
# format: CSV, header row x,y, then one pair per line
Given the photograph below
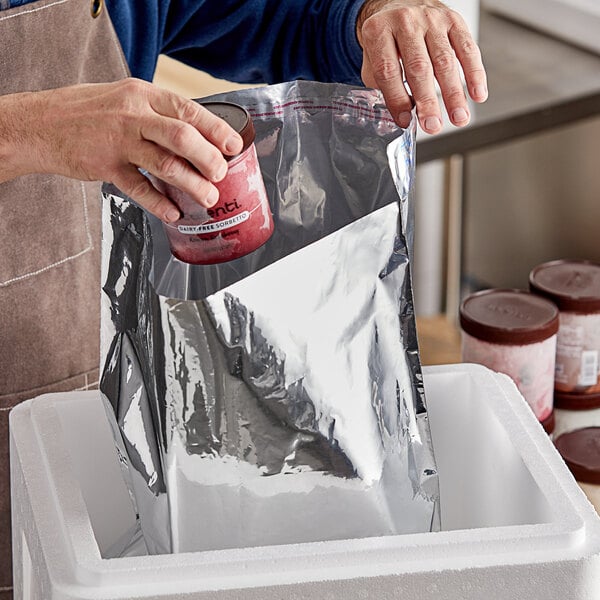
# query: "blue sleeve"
x,y
249,41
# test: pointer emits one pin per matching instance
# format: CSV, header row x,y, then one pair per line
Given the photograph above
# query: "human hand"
x,y
104,132
417,41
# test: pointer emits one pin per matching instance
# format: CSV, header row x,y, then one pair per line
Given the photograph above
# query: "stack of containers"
x,y
574,287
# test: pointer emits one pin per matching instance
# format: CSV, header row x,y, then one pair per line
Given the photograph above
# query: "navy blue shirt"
x,y
249,41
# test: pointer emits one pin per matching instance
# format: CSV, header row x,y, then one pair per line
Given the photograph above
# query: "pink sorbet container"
x,y
514,332
241,221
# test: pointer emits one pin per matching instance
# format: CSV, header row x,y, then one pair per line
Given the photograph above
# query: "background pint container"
x,y
514,332
580,449
241,220
574,286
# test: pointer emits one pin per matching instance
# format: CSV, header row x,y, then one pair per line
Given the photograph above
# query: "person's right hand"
x,y
106,131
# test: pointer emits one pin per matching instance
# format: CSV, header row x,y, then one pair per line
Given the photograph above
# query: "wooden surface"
x,y
189,82
439,340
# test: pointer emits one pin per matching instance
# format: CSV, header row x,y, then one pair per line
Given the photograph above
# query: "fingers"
x,y
182,139
382,69
430,43
403,114
419,75
469,55
214,129
188,144
130,181
177,172
451,48
446,70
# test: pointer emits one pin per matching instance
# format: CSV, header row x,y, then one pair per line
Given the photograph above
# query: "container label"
x,y
588,373
569,349
215,226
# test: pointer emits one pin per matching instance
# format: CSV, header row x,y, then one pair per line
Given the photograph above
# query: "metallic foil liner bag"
x,y
277,398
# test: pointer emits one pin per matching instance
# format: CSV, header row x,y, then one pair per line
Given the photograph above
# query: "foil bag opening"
x,y
277,398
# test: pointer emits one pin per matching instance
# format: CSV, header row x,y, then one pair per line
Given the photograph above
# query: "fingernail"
x,y
220,175
480,91
212,197
460,115
172,215
233,144
432,123
404,119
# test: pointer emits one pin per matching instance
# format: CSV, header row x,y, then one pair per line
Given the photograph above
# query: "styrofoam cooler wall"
x,y
515,523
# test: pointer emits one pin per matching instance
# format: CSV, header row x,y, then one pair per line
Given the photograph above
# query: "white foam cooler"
x,y
515,523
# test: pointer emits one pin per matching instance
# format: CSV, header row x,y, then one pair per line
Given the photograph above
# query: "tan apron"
x,y
49,227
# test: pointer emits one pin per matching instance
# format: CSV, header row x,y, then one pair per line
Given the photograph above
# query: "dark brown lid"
x,y
580,450
573,401
508,317
573,285
237,117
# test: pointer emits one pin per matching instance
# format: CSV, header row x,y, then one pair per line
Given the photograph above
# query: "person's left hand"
x,y
419,41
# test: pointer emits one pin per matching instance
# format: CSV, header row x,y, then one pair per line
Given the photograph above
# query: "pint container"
x,y
241,220
514,332
574,286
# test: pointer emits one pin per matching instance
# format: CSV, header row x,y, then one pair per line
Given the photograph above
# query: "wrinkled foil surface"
x,y
277,398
